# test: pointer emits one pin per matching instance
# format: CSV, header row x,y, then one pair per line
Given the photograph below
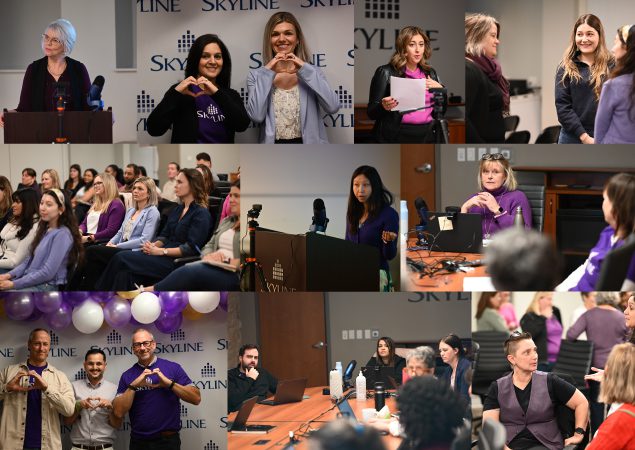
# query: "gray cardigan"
x,y
315,92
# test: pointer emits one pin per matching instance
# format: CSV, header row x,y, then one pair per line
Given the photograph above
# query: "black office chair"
x,y
490,363
518,137
566,419
615,266
549,135
536,195
574,360
511,123
492,436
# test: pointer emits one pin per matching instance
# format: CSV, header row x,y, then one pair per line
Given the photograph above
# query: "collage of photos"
x,y
317,224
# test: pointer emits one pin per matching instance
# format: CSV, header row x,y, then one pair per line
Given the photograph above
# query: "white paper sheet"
x,y
410,93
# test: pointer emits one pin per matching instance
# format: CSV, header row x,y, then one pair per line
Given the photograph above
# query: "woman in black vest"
x,y
55,78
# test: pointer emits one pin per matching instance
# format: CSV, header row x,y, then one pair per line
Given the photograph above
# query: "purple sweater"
x,y
615,118
509,201
109,222
594,262
370,233
48,262
604,327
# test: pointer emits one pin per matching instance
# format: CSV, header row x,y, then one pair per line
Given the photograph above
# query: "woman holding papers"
x,y
412,49
55,75
287,93
217,269
487,90
371,220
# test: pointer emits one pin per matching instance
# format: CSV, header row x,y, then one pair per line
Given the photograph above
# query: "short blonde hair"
x,y
476,28
510,182
533,306
618,385
153,197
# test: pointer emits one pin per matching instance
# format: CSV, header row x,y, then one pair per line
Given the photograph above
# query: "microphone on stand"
x,y
320,221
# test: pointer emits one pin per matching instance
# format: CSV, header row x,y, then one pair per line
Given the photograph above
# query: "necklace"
x,y
490,221
56,74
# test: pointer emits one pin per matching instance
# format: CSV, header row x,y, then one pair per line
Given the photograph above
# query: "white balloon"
x,y
146,307
88,317
204,302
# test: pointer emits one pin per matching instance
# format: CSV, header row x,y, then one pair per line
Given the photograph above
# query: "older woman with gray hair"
x,y
55,78
605,327
420,361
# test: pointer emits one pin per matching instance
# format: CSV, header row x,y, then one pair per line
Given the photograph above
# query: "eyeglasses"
x,y
492,157
98,183
54,41
138,345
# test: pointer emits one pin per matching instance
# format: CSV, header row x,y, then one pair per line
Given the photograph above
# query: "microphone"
x,y
320,221
94,95
453,211
348,373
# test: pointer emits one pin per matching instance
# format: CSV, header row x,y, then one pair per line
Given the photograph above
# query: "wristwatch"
x,y
580,430
165,252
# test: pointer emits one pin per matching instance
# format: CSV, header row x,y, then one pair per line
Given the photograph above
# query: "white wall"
x,y
94,21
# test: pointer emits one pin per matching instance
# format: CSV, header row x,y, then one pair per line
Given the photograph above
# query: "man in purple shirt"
x,y
150,392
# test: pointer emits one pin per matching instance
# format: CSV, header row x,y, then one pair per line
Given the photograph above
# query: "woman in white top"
x,y
17,235
287,92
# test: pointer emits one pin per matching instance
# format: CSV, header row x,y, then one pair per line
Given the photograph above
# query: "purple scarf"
x,y
494,72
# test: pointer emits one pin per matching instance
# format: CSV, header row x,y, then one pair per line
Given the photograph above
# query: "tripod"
x,y
251,263
439,114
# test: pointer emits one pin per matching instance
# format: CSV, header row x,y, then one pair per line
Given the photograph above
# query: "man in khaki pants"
x,y
34,395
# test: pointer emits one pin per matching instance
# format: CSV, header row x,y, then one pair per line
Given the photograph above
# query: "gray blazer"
x,y
315,92
145,229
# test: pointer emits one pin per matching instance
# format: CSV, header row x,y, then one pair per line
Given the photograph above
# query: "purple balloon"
x,y
224,300
19,305
173,302
60,318
47,301
76,298
117,312
102,296
35,315
168,323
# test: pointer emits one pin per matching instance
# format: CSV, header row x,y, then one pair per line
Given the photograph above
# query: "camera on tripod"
x,y
254,212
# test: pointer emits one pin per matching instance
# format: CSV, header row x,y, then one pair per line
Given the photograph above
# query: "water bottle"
x,y
338,367
360,386
519,220
380,396
335,384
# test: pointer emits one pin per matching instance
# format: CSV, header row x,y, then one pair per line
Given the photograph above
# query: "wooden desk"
x,y
443,280
317,409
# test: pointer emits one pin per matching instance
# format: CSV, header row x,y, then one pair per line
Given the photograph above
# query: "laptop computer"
x,y
288,391
615,266
383,374
239,425
464,234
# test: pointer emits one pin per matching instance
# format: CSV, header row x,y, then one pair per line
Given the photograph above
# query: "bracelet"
x,y
78,406
172,384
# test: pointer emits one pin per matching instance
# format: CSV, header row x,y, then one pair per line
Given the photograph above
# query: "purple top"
x,y
154,409
49,89
423,115
211,119
554,336
615,118
109,222
370,233
509,201
48,262
33,426
594,262
604,327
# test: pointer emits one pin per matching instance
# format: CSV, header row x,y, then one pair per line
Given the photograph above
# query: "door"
x,y
418,177
293,335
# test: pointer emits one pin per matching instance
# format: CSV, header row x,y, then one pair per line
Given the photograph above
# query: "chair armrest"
x,y
187,259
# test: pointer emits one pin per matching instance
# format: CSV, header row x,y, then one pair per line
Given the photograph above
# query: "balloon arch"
x,y
89,310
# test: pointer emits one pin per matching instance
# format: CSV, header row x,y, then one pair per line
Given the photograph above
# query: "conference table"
x,y
441,280
313,412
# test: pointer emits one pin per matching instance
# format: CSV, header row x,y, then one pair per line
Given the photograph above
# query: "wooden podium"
x,y
315,262
79,127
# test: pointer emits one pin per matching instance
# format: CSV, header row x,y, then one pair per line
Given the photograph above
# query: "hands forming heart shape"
x,y
147,380
95,402
206,86
25,381
285,63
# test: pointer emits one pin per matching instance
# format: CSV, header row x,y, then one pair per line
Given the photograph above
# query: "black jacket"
x,y
483,107
536,325
387,123
241,387
178,111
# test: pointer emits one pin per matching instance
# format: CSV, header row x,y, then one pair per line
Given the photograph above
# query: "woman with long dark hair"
x,y
456,374
412,50
585,66
386,357
371,220
74,181
487,316
185,232
5,200
288,94
56,248
202,108
18,234
83,199
615,118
